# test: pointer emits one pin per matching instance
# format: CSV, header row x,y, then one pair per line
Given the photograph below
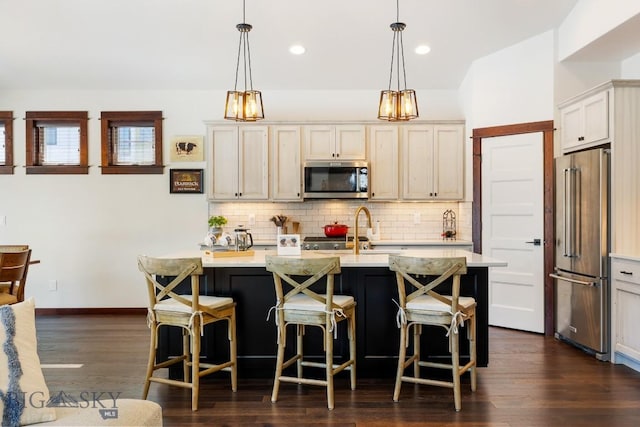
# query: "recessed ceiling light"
x,y
297,49
423,49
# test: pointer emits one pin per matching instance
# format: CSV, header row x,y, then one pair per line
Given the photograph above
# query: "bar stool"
x,y
191,312
303,307
424,306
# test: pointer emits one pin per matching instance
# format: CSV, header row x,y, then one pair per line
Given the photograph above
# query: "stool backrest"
x,y
408,269
14,266
179,269
300,274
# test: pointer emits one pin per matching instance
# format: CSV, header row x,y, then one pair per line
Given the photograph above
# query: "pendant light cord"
x,y
244,50
397,50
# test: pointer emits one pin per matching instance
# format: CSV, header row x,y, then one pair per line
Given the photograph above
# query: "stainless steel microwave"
x,y
336,180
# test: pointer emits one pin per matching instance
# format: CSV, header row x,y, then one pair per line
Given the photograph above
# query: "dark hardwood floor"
x,y
531,380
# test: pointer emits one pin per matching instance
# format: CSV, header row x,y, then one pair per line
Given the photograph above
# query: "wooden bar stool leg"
x,y
402,355
233,351
417,333
455,368
472,345
195,364
299,348
152,359
352,349
328,342
282,339
186,359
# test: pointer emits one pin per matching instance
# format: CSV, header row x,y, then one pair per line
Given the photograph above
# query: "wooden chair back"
x,y
14,266
300,274
180,269
408,269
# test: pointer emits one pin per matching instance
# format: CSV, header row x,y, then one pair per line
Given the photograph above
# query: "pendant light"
x,y
244,105
399,104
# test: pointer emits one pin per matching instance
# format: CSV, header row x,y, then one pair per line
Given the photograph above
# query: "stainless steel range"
x,y
314,243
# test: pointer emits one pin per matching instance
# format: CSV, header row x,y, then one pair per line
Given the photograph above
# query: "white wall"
x,y
591,19
88,229
630,67
514,85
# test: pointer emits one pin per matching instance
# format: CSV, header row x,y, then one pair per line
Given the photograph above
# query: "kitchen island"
x,y
365,276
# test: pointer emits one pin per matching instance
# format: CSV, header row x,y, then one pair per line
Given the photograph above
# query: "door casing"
x,y
546,128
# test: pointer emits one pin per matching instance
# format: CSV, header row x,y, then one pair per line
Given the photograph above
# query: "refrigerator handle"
x,y
578,282
568,214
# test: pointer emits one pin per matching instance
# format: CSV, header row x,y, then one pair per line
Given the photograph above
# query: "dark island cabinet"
x,y
377,334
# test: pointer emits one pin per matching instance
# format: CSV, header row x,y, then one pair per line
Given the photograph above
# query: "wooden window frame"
x,y
107,118
79,118
6,118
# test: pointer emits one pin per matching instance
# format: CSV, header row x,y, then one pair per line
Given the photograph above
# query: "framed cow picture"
x,y
187,148
185,180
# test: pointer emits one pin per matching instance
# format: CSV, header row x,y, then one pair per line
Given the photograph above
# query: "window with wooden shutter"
x,y
56,142
131,142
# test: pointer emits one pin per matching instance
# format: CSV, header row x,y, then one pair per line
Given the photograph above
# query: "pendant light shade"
x,y
400,104
244,105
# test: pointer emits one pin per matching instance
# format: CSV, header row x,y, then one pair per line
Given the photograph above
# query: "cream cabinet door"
x,y
319,142
625,313
383,162
286,182
253,166
350,142
335,142
238,163
222,163
448,163
417,162
585,123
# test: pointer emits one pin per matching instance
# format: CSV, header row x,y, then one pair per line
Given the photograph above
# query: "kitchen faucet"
x,y
356,242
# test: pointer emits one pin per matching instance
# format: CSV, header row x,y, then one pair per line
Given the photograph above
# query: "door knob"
x,y
535,242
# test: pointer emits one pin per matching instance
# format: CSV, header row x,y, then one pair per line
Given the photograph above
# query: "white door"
x,y
512,220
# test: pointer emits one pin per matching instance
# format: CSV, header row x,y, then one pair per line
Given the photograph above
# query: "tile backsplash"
x,y
398,220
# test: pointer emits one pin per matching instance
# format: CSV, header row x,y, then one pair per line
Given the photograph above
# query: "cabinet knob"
x,y
628,273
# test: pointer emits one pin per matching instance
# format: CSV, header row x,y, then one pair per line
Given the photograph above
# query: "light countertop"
x,y
625,257
392,242
370,258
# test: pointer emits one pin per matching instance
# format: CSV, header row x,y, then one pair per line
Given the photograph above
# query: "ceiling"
x,y
192,44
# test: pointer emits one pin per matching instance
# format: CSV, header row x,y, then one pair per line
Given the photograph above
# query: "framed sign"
x,y
185,180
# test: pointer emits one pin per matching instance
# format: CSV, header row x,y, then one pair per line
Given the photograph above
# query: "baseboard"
x,y
102,311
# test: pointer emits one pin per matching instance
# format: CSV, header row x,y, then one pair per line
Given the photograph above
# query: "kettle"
x,y
244,240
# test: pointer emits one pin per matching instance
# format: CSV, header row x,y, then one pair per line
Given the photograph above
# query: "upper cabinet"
x,y
432,162
383,162
238,163
286,178
407,161
584,121
334,142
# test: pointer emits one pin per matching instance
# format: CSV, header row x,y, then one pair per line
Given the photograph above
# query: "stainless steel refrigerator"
x,y
582,237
